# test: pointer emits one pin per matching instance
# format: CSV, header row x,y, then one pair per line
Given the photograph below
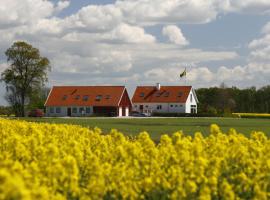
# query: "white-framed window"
x,y
81,110
85,97
51,109
193,108
58,110
159,107
74,110
191,98
98,97
88,110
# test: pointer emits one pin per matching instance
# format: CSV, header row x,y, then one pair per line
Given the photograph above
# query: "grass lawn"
x,y
158,126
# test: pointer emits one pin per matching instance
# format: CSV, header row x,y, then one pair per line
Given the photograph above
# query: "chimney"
x,y
158,86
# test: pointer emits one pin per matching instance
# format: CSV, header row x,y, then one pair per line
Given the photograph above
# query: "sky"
x,y
143,42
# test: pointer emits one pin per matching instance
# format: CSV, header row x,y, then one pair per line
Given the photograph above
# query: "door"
x,y
69,112
141,108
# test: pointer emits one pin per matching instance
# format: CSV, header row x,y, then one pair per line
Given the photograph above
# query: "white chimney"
x,y
158,86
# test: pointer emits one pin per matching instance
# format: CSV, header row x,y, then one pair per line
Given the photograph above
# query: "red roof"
x,y
85,96
166,94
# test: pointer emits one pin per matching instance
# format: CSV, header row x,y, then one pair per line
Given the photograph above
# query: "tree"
x,y
27,73
38,98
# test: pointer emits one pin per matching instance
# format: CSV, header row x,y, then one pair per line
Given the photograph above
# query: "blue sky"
x,y
141,42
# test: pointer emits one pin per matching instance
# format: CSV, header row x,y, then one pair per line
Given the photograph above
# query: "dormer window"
x,y
85,97
64,97
98,97
166,94
77,97
108,97
158,94
180,94
142,94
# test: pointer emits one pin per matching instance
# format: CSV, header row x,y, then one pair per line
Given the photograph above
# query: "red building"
x,y
88,101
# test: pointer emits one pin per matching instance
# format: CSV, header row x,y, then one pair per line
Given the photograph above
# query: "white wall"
x,y
165,107
64,112
190,102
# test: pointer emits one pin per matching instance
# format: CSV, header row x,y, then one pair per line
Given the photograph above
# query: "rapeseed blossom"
x,y
49,161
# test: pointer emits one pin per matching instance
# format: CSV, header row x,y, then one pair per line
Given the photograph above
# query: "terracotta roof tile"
x,y
166,94
85,96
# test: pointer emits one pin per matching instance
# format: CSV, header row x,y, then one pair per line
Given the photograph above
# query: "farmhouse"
x,y
78,101
165,99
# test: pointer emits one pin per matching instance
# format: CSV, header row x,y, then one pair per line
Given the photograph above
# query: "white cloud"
x,y
61,5
17,12
94,18
130,34
175,35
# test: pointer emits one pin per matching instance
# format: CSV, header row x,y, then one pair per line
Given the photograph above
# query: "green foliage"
x,y
6,111
227,100
38,98
26,74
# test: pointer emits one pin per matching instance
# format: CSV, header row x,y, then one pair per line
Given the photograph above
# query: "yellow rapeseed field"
x,y
255,115
48,161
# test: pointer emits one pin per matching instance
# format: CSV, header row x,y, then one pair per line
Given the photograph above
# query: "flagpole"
x,y
186,76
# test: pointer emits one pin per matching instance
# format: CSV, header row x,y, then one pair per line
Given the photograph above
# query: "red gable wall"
x,y
125,100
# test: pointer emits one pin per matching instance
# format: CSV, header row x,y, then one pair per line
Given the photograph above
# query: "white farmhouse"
x,y
164,99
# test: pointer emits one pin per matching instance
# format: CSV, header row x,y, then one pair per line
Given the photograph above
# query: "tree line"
x,y
226,100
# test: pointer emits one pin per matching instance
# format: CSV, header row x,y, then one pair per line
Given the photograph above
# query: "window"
x,y
193,109
88,110
108,96
64,97
77,97
58,110
158,94
98,97
51,109
191,98
142,94
159,107
146,106
135,106
74,110
180,94
166,94
85,98
81,110
175,105
171,106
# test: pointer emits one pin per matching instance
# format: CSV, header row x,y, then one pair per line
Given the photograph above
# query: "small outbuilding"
x,y
165,99
76,101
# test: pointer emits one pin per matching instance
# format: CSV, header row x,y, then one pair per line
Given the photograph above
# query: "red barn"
x,y
78,101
